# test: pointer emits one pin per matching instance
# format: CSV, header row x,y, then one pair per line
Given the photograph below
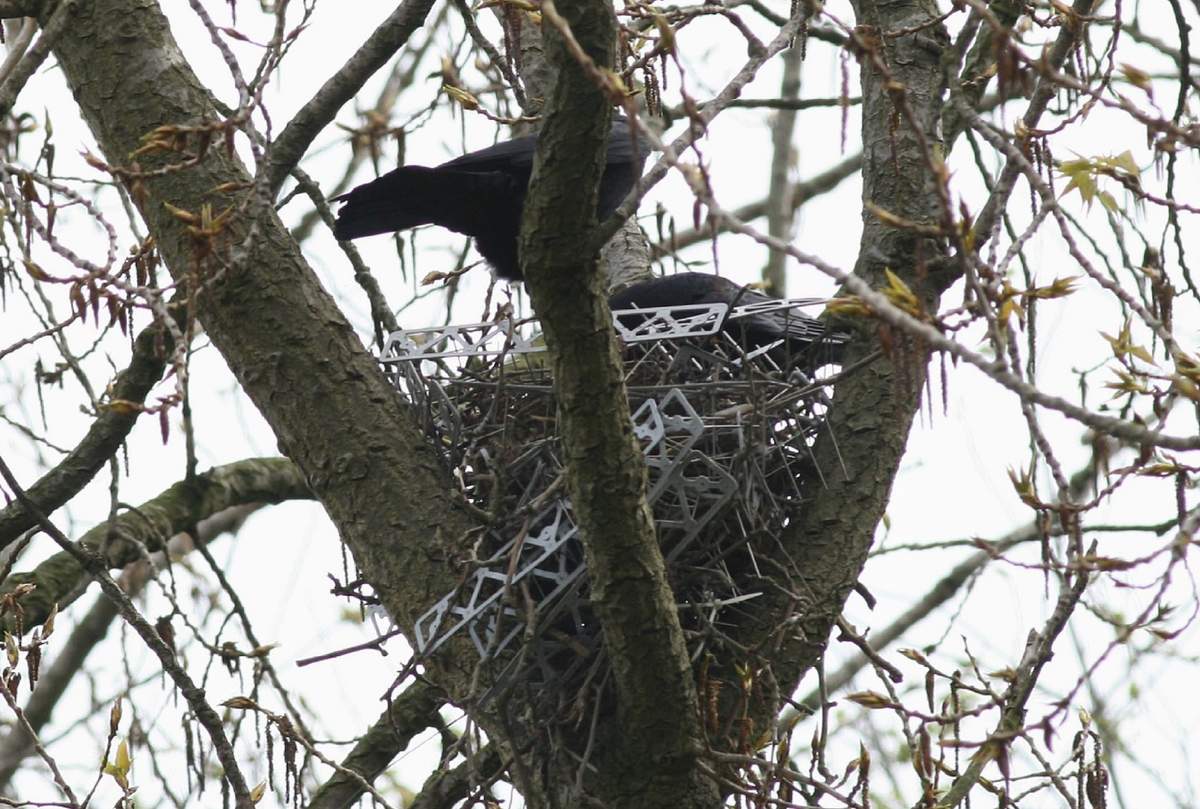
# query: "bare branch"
x,y
15,80
1045,90
317,114
938,594
802,192
446,788
780,210
381,313
406,716
17,44
27,730
103,438
85,636
194,695
1038,651
731,90
150,525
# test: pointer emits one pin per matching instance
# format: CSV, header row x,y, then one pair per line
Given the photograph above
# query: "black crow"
x,y
480,194
755,330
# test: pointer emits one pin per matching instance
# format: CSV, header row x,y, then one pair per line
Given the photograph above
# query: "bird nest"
x,y
725,431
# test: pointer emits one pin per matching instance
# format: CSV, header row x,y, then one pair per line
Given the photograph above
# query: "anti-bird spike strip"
x,y
722,430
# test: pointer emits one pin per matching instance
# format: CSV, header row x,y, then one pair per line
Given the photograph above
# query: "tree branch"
x,y
52,27
653,762
802,192
779,202
401,78
193,694
976,72
1038,650
53,682
942,591
1045,90
150,350
732,89
332,410
446,788
406,716
322,108
857,456
85,636
150,525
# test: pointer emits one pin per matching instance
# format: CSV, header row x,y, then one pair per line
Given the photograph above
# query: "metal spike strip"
x,y
487,403
518,336
668,429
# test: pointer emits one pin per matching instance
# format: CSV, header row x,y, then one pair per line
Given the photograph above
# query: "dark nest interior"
x,y
725,432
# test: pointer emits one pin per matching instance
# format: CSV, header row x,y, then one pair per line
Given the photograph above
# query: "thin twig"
x,y
193,694
321,109
33,58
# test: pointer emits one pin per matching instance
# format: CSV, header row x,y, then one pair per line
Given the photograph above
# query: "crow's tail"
x,y
392,202
411,196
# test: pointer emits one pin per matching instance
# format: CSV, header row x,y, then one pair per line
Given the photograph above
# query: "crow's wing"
x,y
776,324
621,146
784,324
623,167
681,289
516,155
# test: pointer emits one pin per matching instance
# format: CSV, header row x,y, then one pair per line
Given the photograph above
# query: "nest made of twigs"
x,y
725,431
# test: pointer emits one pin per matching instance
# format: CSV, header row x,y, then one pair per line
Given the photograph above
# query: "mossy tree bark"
x,y
649,756
826,548
298,359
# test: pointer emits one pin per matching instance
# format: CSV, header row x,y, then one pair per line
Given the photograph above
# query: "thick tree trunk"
x,y
285,339
858,455
647,754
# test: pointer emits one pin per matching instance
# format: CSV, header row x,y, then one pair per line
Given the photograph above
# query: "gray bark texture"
x,y
292,350
826,548
148,528
650,757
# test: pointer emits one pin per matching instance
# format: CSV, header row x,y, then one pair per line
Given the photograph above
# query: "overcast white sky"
x,y
953,483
